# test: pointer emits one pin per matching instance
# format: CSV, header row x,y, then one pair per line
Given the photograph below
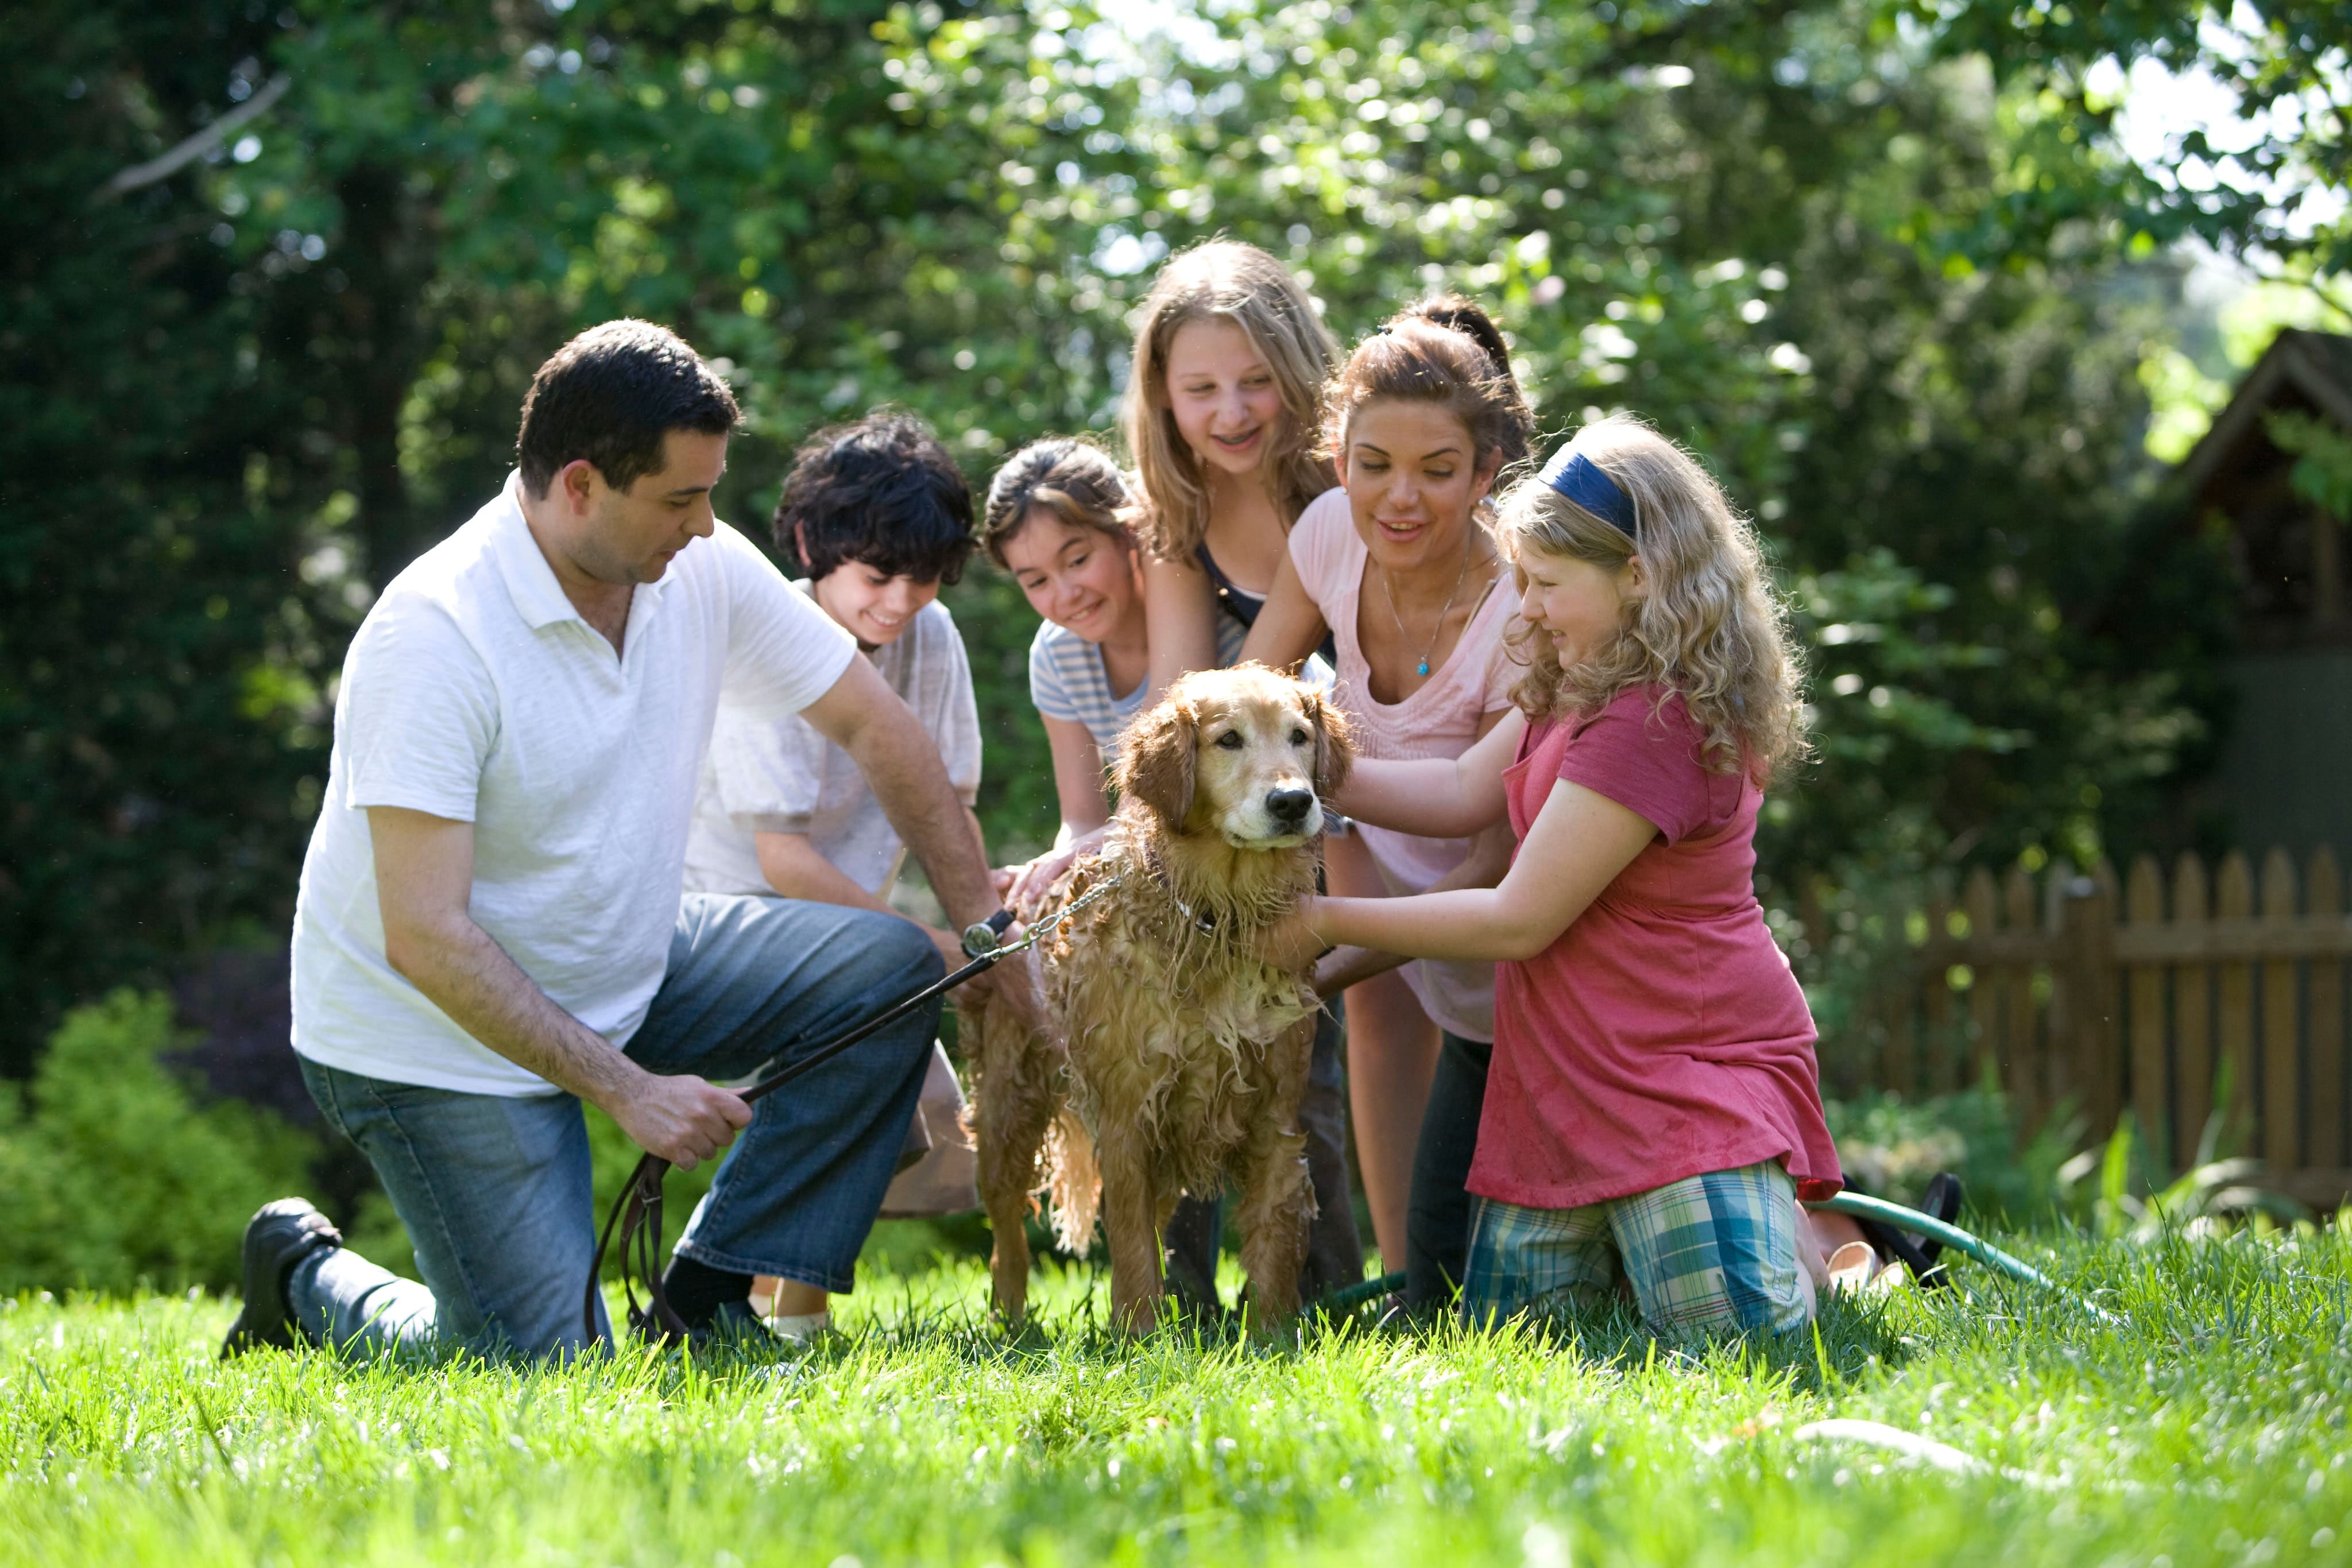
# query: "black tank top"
x,y
1243,605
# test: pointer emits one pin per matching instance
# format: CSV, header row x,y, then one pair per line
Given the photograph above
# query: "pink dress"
x,y
1440,720
1662,1035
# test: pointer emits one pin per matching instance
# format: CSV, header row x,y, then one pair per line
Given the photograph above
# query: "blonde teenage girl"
x,y
1221,404
1222,410
1053,521
1654,1110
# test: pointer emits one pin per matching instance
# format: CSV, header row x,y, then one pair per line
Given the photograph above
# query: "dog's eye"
x,y
1297,737
1231,740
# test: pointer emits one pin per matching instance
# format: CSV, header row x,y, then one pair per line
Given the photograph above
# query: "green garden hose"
x,y
1353,1296
1862,1205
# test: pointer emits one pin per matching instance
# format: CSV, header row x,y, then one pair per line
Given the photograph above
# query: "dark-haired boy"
x,y
492,929
881,517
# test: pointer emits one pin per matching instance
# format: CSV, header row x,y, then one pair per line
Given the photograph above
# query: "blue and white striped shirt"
x,y
1067,681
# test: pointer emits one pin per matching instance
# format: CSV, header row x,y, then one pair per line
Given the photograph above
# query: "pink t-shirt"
x,y
1441,720
1662,1035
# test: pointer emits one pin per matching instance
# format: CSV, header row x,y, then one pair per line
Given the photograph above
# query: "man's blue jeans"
x,y
495,1191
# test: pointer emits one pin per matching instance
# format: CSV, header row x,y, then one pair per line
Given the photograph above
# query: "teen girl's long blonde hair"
x,y
1224,280
1708,627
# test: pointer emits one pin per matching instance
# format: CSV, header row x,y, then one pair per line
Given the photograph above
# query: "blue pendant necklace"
x,y
1389,589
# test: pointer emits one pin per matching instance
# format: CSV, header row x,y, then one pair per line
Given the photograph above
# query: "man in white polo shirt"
x,y
491,928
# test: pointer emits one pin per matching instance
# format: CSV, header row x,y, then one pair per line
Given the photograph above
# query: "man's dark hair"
x,y
610,395
882,492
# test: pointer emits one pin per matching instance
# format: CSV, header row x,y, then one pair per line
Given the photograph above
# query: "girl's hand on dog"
x,y
1292,942
1024,881
1029,880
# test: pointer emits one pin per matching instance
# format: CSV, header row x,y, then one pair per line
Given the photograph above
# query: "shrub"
x,y
113,1173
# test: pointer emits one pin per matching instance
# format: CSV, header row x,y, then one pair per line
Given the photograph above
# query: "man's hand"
x,y
1012,985
684,1119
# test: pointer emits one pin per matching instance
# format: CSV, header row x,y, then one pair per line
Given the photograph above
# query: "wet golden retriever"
x,y
1184,1054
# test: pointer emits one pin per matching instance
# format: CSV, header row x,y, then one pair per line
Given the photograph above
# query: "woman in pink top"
x,y
1654,1111
1399,568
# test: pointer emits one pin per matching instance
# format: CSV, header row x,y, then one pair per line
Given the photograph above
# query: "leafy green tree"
x,y
2271,192
157,480
1876,261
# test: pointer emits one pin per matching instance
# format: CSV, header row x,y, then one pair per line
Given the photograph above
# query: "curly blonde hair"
x,y
1708,627
1224,280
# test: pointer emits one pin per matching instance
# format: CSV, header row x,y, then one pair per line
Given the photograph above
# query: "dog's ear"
x,y
1335,747
1155,761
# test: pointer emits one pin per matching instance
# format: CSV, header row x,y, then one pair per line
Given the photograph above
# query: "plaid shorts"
x,y
1717,1251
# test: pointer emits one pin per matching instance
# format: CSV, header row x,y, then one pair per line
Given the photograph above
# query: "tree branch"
x,y
194,147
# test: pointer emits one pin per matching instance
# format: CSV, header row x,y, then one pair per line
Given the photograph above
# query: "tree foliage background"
x,y
1878,260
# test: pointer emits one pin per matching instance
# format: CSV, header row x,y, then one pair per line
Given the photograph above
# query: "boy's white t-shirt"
x,y
475,691
766,774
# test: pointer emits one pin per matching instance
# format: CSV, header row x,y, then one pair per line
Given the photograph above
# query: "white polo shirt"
x,y
475,691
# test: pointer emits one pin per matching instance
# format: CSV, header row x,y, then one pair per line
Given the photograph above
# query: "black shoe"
x,y
1197,1302
1189,1262
732,1325
279,1236
1942,1202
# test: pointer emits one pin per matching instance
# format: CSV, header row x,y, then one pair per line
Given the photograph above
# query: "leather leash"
x,y
637,1212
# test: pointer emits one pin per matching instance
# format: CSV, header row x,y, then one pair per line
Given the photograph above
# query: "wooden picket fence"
x,y
2153,996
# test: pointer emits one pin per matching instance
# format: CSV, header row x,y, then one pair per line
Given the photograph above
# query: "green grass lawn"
x,y
2209,1426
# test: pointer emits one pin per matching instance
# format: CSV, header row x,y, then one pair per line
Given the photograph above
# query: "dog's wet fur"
x,y
1184,1053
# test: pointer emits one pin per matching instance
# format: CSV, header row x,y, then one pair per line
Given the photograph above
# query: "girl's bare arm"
x,y
1289,627
1085,810
1489,859
1579,843
1180,616
1077,776
1437,798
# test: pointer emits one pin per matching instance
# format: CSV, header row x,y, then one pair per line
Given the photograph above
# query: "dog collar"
x,y
1206,925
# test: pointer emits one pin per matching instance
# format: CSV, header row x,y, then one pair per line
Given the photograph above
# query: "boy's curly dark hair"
x,y
882,492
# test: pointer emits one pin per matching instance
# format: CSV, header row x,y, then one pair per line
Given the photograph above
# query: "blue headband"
x,y
1579,479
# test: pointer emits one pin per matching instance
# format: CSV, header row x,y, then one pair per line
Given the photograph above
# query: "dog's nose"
x,y
1289,805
